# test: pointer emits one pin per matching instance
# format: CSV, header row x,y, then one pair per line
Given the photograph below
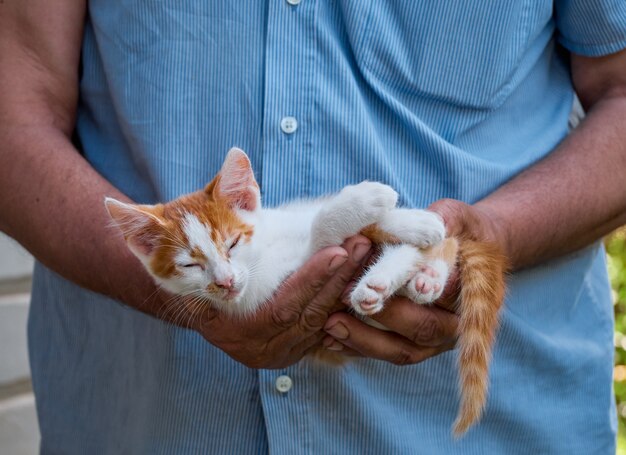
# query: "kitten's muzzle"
x,y
231,294
225,287
225,283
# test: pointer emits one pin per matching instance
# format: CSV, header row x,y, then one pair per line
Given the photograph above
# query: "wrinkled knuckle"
x,y
457,210
448,205
427,331
452,213
313,319
284,317
317,283
403,357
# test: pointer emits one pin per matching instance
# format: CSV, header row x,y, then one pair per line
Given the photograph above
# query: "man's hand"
x,y
542,213
416,332
291,323
466,222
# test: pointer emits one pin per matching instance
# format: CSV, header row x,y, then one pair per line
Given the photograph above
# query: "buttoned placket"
x,y
288,100
287,145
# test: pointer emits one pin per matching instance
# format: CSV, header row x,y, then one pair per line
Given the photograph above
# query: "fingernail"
x,y
338,331
331,344
335,346
336,262
359,252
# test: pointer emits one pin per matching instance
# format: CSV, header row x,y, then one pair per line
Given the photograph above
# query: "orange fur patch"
x,y
211,209
378,236
482,268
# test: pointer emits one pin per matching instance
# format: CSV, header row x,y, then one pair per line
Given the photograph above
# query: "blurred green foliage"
x,y
616,249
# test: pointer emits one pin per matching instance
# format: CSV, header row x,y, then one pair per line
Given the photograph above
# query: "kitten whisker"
x,y
180,311
168,307
197,308
171,304
158,288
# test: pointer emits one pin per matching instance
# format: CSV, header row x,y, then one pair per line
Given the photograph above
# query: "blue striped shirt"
x,y
436,98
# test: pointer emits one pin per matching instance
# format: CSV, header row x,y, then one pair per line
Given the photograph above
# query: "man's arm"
x,y
52,199
576,195
563,203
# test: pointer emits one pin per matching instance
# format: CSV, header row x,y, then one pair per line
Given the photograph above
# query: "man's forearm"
x,y
570,199
52,199
53,205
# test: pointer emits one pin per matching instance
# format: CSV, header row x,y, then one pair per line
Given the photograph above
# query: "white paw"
x,y
371,200
416,227
428,283
369,296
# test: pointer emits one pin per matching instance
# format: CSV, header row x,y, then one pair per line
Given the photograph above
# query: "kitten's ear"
x,y
237,183
139,224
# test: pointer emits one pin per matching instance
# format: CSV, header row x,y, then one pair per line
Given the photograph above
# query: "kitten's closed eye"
x,y
192,265
234,242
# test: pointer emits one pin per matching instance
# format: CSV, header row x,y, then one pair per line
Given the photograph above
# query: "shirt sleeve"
x,y
591,27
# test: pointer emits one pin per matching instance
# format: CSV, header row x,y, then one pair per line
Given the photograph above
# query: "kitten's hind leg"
x,y
428,283
431,277
347,213
391,271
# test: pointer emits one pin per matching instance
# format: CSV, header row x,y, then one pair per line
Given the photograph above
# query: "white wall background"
x,y
19,433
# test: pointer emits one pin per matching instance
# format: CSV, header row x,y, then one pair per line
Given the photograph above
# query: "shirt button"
x,y
289,125
283,384
294,2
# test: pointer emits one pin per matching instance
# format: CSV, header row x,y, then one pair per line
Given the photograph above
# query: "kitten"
x,y
220,245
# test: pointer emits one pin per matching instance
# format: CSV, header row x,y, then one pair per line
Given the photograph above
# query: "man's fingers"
x,y
378,344
307,345
305,300
328,299
330,344
295,294
469,222
424,325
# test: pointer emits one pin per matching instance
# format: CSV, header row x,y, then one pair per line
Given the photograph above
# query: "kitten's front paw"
x,y
428,283
416,227
369,296
371,199
433,231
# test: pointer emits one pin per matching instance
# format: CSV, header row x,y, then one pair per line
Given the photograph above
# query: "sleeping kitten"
x,y
221,245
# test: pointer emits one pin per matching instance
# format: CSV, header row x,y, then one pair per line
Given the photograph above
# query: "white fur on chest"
x,y
280,245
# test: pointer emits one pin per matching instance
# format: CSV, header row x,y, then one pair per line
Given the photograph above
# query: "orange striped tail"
x,y
482,269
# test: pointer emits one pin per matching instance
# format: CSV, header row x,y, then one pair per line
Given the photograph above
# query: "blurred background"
x,y
616,252
19,433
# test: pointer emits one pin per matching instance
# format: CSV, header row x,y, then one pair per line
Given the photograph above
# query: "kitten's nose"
x,y
224,283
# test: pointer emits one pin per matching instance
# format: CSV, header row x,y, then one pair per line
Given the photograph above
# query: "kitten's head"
x,y
198,244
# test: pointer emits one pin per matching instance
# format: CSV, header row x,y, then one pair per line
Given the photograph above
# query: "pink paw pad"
x,y
377,287
427,284
369,295
429,271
